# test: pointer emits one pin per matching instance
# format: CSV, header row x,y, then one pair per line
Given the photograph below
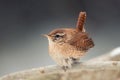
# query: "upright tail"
x,y
81,21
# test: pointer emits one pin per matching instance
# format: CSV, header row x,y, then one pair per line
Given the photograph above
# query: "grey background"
x,y
23,21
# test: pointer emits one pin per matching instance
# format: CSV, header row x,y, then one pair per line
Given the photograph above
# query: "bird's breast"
x,y
65,50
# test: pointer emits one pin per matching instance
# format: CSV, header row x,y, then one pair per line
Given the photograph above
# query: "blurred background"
x,y
23,21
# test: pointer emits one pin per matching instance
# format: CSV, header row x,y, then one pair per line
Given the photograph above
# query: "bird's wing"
x,y
81,42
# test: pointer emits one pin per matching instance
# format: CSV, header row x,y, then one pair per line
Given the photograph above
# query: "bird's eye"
x,y
57,36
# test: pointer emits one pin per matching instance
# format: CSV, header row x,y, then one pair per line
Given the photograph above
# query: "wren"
x,y
68,45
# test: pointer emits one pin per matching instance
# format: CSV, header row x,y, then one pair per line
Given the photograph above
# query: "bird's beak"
x,y
45,35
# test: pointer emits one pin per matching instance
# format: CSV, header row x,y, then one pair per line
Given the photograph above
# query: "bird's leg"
x,y
75,60
65,68
67,63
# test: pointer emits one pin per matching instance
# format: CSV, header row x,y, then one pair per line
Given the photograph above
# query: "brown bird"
x,y
67,45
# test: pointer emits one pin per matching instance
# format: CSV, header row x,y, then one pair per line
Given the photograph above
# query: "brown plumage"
x,y
67,45
81,21
83,42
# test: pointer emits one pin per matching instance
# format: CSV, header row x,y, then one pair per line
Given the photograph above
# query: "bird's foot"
x,y
65,68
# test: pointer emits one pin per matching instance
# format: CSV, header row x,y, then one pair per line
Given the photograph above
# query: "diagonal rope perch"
x,y
106,67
